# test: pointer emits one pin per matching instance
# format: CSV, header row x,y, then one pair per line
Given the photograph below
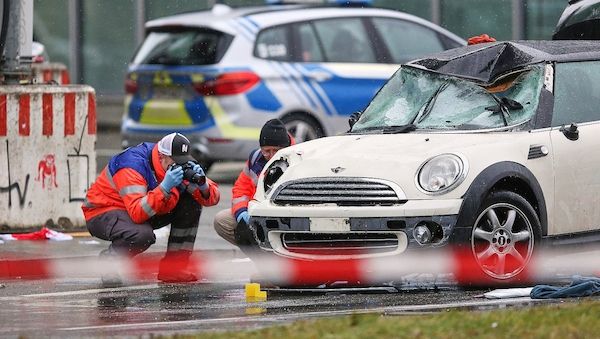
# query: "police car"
x,y
217,76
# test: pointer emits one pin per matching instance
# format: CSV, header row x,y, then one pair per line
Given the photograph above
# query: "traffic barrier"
x,y
280,271
50,73
47,156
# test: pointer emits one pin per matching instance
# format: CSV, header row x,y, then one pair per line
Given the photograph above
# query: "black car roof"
x,y
486,62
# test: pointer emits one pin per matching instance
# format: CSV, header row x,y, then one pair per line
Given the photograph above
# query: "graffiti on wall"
x,y
14,186
47,172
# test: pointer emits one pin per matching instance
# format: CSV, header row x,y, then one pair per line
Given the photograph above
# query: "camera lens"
x,y
190,175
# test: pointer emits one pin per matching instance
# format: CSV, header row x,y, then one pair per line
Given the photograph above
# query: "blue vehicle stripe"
x,y
248,24
254,23
243,32
321,90
299,83
277,67
316,90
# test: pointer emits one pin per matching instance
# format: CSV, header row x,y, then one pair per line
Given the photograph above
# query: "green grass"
x,y
567,320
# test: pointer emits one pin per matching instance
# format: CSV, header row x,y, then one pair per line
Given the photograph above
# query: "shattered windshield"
x,y
417,99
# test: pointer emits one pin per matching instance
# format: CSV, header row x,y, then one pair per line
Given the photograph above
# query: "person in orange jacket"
x,y
142,189
232,224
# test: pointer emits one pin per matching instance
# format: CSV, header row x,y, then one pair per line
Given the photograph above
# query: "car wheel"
x,y
503,238
302,128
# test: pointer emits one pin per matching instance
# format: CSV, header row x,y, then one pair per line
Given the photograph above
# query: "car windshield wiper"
x,y
389,129
399,129
504,106
429,104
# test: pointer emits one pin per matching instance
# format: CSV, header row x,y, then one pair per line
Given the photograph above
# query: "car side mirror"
x,y
353,118
571,132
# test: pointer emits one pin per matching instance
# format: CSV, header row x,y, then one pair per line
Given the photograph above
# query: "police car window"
x,y
182,47
406,40
272,43
344,40
576,93
310,51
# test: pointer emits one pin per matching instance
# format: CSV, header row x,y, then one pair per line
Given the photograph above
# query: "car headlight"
x,y
441,173
274,172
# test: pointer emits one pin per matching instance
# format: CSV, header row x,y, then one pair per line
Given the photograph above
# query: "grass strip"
x,y
578,319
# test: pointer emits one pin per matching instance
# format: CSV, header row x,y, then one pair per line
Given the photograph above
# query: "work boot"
x,y
174,268
111,279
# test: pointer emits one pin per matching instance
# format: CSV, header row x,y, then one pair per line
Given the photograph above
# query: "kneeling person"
x,y
232,224
140,190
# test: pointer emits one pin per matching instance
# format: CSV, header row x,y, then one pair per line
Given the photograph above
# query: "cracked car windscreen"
x,y
441,102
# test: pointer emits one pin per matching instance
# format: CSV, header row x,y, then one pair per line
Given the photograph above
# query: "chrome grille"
x,y
340,191
339,243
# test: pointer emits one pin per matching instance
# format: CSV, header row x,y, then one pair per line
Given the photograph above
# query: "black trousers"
x,y
129,238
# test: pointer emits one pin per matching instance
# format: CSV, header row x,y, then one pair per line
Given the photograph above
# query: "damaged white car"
x,y
494,148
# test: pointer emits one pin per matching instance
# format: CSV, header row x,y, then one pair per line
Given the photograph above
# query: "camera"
x,y
189,174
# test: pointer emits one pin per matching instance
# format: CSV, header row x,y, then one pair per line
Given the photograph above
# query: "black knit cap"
x,y
274,133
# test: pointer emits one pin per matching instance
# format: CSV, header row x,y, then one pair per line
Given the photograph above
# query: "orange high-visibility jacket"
x,y
245,185
134,187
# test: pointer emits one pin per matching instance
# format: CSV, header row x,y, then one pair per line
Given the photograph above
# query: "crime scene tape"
x,y
288,271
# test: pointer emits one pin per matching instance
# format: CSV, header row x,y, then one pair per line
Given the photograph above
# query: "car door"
x,y
576,162
339,66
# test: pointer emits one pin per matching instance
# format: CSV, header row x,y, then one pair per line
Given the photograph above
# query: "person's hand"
x,y
173,178
198,169
243,216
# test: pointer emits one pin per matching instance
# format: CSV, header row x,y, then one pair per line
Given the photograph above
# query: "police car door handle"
x,y
319,75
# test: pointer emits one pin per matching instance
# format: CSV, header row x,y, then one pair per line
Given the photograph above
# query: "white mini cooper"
x,y
493,147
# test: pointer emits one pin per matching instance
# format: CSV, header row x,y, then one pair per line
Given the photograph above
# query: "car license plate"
x,y
329,225
172,92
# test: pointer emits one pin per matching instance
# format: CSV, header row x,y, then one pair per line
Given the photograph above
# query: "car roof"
x,y
484,63
272,15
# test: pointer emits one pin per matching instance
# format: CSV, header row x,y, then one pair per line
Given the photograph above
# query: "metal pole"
x,y
518,19
75,46
17,50
436,11
139,6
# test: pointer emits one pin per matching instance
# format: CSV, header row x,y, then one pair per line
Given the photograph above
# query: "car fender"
x,y
484,183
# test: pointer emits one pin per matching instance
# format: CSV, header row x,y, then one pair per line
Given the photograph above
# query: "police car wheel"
x,y
302,128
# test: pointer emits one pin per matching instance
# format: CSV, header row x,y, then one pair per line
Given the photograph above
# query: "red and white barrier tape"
x,y
285,271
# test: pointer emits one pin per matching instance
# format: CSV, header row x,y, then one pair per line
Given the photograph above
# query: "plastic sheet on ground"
x,y
504,293
43,234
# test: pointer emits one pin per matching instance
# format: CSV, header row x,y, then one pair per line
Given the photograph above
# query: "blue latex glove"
x,y
173,178
198,169
244,216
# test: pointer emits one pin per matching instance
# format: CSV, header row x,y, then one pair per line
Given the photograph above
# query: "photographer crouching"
x,y
144,188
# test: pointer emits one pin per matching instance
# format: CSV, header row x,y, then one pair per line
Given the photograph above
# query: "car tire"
x,y
302,127
503,237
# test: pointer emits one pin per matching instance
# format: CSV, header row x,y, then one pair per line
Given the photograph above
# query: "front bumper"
x,y
317,232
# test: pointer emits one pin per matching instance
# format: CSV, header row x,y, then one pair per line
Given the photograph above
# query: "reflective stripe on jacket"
x,y
131,182
245,186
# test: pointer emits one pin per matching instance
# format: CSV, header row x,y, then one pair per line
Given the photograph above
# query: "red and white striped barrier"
x,y
50,73
292,272
47,155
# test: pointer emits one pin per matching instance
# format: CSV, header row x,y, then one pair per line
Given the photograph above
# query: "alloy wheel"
x,y
502,241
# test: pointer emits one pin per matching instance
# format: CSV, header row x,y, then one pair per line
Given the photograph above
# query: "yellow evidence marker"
x,y
253,292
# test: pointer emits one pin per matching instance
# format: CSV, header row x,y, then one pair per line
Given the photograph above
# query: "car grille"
x,y
324,244
340,191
